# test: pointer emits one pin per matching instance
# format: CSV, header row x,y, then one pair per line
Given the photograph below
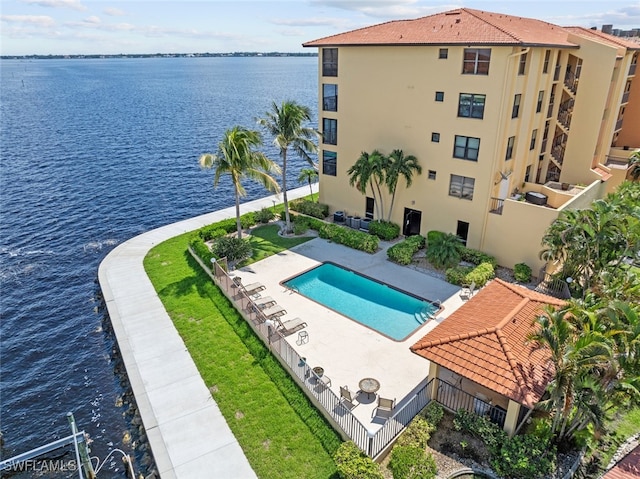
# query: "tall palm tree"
x,y
370,169
237,158
308,175
286,124
400,166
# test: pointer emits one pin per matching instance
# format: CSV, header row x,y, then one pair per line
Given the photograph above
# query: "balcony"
x,y
564,113
625,97
556,73
571,81
632,69
618,125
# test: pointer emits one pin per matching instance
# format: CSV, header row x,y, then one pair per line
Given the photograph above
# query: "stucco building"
x,y
512,120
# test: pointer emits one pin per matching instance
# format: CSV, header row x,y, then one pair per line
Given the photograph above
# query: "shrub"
x,y
402,253
311,208
264,215
433,413
444,250
522,273
480,274
348,237
384,230
481,427
524,457
229,225
433,236
417,433
247,220
199,247
352,463
211,232
477,257
457,275
300,225
234,249
411,462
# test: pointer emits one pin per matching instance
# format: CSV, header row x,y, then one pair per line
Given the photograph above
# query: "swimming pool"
x,y
375,305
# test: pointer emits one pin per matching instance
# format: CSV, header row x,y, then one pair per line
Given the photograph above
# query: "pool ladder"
x,y
422,315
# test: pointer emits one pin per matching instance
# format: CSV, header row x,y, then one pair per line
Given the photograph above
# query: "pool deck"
x,y
347,350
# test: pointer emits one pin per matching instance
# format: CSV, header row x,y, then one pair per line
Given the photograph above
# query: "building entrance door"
x,y
412,220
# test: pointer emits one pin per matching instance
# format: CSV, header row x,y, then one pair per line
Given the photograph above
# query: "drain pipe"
x,y
502,130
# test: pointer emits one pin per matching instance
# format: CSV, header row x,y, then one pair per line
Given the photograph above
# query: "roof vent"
x,y
452,12
457,20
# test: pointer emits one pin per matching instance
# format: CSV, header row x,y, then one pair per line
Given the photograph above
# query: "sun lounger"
x,y
265,302
291,326
274,311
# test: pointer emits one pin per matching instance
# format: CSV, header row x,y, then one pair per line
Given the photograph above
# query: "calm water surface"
x,y
94,152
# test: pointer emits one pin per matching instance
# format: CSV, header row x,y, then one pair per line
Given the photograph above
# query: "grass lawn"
x,y
623,427
265,242
281,433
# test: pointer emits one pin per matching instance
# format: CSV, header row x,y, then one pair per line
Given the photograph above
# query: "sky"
x,y
60,27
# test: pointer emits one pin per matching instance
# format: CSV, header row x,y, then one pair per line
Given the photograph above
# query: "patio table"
x,y
369,386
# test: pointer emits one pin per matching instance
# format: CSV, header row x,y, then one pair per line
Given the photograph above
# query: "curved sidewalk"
x,y
187,433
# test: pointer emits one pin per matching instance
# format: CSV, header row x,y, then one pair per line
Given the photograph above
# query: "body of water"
x,y
94,152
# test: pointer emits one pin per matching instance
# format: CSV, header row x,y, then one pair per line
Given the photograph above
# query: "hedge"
x,y
402,253
310,208
348,237
384,230
352,463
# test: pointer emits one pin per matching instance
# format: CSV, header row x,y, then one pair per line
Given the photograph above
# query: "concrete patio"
x,y
347,350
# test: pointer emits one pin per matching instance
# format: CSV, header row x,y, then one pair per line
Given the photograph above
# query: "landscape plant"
x,y
522,273
352,463
385,230
308,175
311,208
411,462
369,171
264,215
444,250
400,166
402,253
287,124
234,249
237,158
480,275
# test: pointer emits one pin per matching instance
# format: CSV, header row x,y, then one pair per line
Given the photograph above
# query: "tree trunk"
x,y
238,222
284,193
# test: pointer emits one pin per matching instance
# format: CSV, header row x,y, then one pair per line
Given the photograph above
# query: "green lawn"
x,y
623,427
265,242
280,432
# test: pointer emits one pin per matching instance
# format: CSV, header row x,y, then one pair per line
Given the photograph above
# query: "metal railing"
x,y
556,73
371,444
571,80
625,97
496,206
632,69
454,399
618,124
564,113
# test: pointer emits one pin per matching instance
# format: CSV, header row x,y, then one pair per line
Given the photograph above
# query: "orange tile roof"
x,y
604,175
485,341
604,37
627,468
462,26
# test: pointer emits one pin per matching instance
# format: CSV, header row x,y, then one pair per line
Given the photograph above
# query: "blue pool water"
x,y
375,305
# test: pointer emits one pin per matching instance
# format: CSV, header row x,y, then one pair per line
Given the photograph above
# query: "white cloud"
x,y
311,22
625,18
73,4
38,20
113,12
93,20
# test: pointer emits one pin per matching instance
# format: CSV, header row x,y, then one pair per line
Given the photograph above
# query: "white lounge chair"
x,y
467,291
274,311
291,326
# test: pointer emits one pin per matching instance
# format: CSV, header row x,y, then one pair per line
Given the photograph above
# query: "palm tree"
x,y
370,169
286,124
237,158
308,175
400,166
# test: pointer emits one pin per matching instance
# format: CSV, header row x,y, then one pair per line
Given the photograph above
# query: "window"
x,y
329,97
432,174
471,105
527,174
439,96
534,137
516,106
329,162
476,61
540,100
435,137
523,64
329,131
510,142
443,54
461,187
466,148
545,65
330,62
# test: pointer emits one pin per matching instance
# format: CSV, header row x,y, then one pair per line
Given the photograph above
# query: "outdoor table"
x,y
369,386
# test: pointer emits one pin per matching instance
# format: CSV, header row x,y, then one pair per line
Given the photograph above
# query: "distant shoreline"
x,y
158,55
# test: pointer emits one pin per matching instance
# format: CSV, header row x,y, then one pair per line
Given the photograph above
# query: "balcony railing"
x,y
556,73
625,97
632,69
571,80
496,206
564,113
619,124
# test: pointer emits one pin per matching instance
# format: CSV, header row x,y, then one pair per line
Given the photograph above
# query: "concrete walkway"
x,y
187,433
